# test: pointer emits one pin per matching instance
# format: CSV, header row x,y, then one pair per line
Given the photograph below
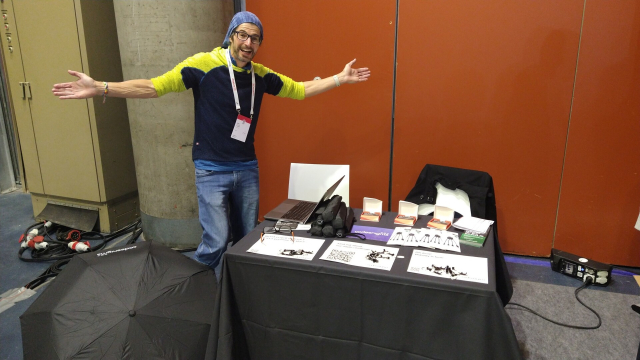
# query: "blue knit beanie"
x,y
241,18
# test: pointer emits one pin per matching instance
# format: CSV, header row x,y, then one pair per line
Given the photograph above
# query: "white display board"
x,y
310,181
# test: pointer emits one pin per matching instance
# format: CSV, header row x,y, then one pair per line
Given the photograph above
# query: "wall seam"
x,y
77,7
566,143
393,105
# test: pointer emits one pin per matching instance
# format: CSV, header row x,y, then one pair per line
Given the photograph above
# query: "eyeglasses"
x,y
243,36
285,230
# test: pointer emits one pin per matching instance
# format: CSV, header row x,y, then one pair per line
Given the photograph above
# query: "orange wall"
x,y
485,85
348,125
600,197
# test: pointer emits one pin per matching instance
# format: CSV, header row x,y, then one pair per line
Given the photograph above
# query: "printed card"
x,y
359,254
371,209
449,266
407,213
282,246
399,234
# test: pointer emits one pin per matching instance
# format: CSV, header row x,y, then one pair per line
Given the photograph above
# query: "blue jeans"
x,y
228,202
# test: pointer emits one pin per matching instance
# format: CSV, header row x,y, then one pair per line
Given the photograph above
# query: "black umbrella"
x,y
140,301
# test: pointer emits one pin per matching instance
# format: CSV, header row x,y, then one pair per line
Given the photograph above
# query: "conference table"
x,y
282,308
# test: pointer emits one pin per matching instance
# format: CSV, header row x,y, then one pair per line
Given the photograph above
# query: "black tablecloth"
x,y
280,308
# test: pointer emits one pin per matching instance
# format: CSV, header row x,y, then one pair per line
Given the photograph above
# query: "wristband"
x,y
106,91
335,78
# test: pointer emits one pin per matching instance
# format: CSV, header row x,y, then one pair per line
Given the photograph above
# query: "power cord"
x,y
58,248
135,234
52,271
586,284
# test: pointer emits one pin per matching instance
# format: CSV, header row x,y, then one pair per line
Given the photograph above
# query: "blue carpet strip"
x,y
547,263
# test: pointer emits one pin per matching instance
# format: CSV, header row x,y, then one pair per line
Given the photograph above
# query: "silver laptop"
x,y
299,210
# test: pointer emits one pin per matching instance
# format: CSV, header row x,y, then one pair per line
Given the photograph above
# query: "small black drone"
x,y
449,270
299,252
375,255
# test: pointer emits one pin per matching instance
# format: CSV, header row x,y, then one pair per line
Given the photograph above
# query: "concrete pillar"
x,y
154,36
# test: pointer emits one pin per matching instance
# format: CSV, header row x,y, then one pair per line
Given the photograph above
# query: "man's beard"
x,y
239,55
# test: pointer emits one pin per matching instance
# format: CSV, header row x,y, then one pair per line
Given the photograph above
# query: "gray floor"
x,y
535,285
617,338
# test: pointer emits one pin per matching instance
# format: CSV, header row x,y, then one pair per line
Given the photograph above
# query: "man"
x,y
227,89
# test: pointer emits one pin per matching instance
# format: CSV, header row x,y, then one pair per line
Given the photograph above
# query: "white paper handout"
x,y
358,254
440,239
415,237
429,238
473,224
282,246
398,235
450,266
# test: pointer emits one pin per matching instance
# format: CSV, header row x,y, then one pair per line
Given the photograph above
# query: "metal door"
x,y
9,170
12,57
50,46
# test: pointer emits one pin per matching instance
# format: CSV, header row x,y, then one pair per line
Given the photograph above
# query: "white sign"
x,y
429,238
282,246
455,267
358,254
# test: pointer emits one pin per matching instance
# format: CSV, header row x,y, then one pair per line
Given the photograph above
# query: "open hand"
x,y
83,88
351,76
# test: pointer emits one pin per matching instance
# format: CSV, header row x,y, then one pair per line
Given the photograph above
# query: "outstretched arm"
x,y
85,87
347,76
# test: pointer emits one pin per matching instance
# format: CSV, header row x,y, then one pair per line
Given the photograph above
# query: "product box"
x,y
371,210
442,218
473,238
407,214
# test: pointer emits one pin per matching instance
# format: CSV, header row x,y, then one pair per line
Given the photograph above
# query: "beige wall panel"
x,y
49,36
20,106
109,121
